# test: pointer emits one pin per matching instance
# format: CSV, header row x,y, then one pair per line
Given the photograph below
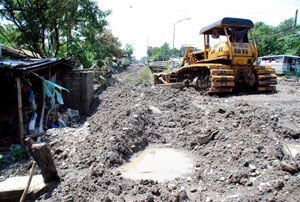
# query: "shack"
x,y
31,92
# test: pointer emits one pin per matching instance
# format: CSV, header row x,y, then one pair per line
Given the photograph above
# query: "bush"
x,y
17,152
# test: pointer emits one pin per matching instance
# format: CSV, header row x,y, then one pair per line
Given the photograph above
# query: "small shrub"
x,y
17,152
127,79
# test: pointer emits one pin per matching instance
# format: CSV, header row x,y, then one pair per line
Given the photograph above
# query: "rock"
x,y
222,179
171,186
193,190
276,163
155,191
286,177
155,110
111,155
183,195
252,167
208,199
221,111
12,188
188,179
287,167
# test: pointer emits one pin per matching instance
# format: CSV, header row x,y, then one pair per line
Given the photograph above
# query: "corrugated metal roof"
x,y
32,64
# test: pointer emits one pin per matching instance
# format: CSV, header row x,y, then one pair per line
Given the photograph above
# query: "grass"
x,y
140,80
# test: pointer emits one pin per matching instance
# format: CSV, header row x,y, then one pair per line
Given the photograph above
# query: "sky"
x,y
142,22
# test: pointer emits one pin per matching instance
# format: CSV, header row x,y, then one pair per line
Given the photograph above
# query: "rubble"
x,y
242,161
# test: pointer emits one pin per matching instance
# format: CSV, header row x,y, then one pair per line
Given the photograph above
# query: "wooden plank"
x,y
35,135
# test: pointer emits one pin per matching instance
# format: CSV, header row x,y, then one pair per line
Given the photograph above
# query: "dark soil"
x,y
241,162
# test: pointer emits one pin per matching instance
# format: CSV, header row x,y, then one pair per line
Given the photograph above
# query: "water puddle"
x,y
159,164
292,149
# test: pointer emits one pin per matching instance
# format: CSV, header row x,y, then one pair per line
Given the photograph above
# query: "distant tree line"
x,y
55,28
164,52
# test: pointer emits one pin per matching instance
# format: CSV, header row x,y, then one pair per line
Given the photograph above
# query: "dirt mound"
x,y
237,141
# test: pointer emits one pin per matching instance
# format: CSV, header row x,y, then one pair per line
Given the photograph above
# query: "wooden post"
x,y
42,155
21,129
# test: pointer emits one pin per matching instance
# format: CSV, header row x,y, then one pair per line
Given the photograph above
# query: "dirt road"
x,y
241,160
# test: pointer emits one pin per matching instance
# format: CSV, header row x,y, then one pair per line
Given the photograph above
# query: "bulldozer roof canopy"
x,y
234,22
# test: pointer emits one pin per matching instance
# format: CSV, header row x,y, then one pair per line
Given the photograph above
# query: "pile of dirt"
x,y
237,142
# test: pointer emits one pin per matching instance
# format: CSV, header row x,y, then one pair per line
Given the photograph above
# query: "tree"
x,y
283,39
55,28
128,50
164,52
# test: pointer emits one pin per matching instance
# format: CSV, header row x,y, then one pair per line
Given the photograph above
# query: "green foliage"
x,y
54,28
103,79
16,152
128,50
147,72
140,80
127,79
283,39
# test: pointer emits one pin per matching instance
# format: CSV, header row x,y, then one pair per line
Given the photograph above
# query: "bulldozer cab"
x,y
235,48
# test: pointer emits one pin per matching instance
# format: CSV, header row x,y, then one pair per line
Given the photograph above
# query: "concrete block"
x,y
12,188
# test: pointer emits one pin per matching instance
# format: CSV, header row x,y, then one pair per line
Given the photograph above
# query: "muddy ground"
x,y
241,162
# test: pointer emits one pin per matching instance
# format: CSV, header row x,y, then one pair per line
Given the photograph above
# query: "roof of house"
x,y
29,65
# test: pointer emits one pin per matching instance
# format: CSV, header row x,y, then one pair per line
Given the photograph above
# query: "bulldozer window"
x,y
239,36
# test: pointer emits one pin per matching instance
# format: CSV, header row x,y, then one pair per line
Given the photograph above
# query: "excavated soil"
x,y
237,142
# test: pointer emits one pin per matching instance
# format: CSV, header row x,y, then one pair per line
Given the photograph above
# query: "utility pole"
x,y
147,49
296,15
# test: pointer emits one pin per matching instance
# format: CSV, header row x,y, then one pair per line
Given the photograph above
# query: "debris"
x,y
287,167
42,155
155,110
171,186
193,190
252,167
12,188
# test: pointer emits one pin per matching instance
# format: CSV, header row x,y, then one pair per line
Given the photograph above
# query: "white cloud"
x,y
133,20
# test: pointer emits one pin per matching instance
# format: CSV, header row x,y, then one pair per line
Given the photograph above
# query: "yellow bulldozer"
x,y
225,66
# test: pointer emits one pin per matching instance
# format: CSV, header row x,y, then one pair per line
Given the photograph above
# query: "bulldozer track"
x,y
266,79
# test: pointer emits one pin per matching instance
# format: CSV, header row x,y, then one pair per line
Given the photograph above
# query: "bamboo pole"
x,y
21,129
28,182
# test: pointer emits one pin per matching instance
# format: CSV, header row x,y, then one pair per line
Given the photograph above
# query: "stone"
x,y
193,190
171,186
155,110
252,167
111,155
12,188
286,177
222,179
208,199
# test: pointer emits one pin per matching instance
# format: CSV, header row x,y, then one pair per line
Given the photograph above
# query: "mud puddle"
x,y
159,164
